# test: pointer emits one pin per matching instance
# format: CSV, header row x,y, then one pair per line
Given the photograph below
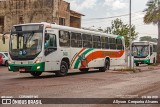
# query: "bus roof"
x,y
145,42
78,30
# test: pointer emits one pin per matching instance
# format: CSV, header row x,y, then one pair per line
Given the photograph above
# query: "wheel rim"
x,y
63,69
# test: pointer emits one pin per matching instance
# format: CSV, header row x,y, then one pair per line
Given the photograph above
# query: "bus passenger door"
x,y
50,51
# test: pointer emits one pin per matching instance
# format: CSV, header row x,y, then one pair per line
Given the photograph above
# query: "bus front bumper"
x,y
147,61
25,68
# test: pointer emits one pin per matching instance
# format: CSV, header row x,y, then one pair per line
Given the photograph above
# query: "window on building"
x,y
64,38
61,21
21,21
1,24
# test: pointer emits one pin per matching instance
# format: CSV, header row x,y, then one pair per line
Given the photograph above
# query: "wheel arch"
x,y
66,59
108,58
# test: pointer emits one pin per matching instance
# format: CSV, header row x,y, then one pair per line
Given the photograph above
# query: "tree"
x,y
119,28
153,16
148,38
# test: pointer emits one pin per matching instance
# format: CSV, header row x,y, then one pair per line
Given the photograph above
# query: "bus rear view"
x,y
144,52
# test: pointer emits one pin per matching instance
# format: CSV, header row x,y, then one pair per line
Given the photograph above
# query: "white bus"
x,y
43,47
144,52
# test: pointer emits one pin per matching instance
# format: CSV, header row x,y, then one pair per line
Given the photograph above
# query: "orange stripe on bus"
x,y
103,54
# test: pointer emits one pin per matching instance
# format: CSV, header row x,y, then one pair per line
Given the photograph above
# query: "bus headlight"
x,y
38,60
38,67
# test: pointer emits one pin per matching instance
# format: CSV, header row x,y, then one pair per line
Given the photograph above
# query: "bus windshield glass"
x,y
140,51
25,45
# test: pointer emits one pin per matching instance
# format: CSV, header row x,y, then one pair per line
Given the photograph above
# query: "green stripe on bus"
x,y
73,57
78,60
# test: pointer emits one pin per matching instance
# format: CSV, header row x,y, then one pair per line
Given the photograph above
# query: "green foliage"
x,y
148,38
119,28
152,12
153,16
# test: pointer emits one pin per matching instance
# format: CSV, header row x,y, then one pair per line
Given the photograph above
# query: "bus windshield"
x,y
140,51
25,45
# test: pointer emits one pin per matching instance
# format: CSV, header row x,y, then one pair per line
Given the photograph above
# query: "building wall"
x,y
32,11
28,11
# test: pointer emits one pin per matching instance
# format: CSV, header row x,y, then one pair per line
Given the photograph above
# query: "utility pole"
x,y
130,40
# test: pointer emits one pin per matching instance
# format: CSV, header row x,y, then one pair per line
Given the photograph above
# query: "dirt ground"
x,y
93,84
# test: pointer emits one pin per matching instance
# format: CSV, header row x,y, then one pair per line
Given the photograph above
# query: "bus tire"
x,y
137,64
84,69
106,66
63,69
36,74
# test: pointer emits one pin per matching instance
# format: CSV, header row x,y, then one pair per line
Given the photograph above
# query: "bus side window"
x,y
119,44
103,39
79,39
112,43
64,38
96,42
107,42
76,40
87,41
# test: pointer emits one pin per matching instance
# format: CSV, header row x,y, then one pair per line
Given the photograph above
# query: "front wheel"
x,y
36,74
106,66
63,69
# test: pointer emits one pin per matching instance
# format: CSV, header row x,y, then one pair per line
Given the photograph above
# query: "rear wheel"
x,y
63,69
137,64
106,66
36,74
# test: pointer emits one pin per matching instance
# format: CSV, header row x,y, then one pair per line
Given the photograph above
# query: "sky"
x,y
109,8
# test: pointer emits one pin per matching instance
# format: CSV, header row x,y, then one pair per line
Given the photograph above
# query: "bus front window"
x,y
25,45
140,51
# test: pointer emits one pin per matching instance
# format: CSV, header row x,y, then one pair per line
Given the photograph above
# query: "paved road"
x,y
93,84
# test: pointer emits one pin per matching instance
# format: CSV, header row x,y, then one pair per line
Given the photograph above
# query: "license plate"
x,y
22,70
